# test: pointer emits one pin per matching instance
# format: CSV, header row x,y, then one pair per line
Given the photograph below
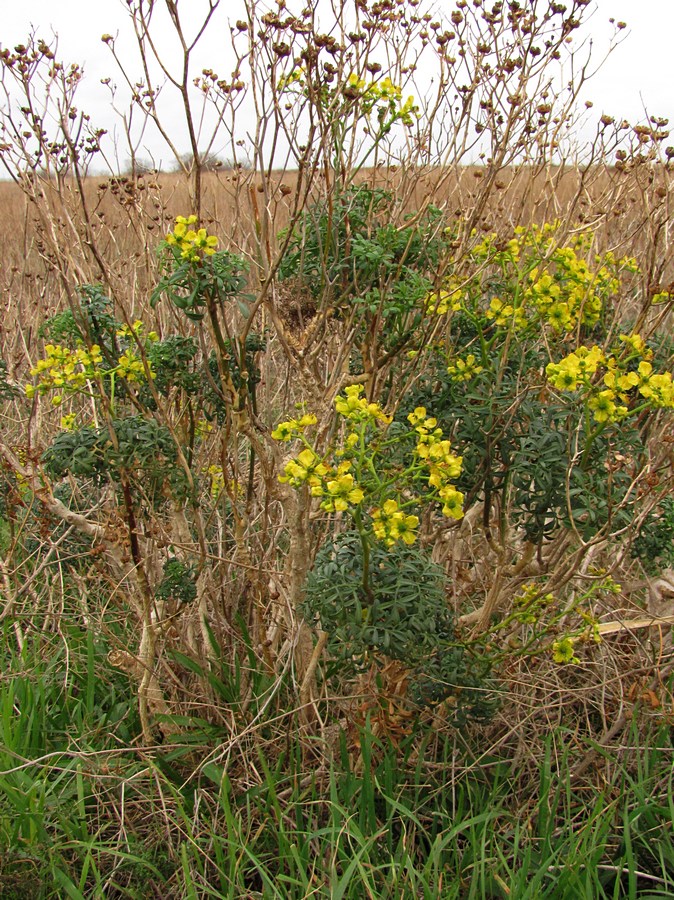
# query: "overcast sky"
x,y
636,77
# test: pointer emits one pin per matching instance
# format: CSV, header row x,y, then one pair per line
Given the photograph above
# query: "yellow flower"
x,y
452,502
559,317
658,389
217,480
603,406
464,369
342,492
440,302
545,290
416,417
297,75
627,382
590,359
284,431
206,242
308,468
202,428
350,403
390,524
577,366
645,369
408,111
636,343
95,355
130,330
563,375
562,651
499,311
355,81
405,528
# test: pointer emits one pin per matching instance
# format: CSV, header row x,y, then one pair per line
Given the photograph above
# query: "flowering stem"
x,y
367,587
112,392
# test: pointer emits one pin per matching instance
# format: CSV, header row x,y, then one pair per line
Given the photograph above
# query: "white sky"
x,y
635,78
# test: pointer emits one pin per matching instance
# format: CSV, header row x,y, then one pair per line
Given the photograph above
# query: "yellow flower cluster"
x,y
297,76
656,388
308,468
218,483
492,249
441,302
568,291
626,263
64,369
634,343
383,94
286,431
622,381
193,245
339,492
503,314
530,603
374,90
202,428
443,465
390,524
130,367
464,369
69,371
555,284
132,330
604,407
408,112
578,366
135,330
217,480
357,408
337,487
364,475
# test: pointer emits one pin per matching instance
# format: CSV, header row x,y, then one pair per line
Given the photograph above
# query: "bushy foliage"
x,y
352,258
400,613
358,415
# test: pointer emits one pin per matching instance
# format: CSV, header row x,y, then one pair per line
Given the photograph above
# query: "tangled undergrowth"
x,y
336,534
